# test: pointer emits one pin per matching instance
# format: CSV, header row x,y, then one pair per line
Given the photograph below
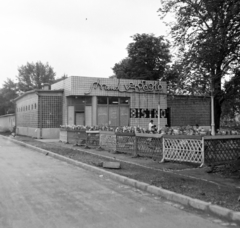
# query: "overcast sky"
x,y
76,37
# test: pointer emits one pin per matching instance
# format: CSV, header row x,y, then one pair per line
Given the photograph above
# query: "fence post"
x,y
163,150
202,152
135,150
86,146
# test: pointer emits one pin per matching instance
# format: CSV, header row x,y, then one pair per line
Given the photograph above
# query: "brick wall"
x,y
186,110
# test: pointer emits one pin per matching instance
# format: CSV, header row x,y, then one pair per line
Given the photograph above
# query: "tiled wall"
x,y
27,111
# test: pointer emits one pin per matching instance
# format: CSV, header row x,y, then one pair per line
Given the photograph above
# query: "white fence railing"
x,y
183,149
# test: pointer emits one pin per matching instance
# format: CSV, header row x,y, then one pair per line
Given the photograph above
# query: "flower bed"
x,y
185,144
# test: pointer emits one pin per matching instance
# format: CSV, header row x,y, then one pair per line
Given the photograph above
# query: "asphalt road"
x,y
39,191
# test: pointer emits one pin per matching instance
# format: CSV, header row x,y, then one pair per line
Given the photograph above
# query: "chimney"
x,y
46,86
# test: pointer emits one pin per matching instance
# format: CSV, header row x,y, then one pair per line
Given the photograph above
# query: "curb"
x,y
222,212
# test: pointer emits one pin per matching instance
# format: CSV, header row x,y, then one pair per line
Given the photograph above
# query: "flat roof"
x,y
37,91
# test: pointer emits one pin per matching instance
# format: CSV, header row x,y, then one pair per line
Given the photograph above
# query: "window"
x,y
102,100
113,111
113,100
124,100
88,100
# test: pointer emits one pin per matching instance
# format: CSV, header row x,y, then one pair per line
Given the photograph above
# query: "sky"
x,y
75,37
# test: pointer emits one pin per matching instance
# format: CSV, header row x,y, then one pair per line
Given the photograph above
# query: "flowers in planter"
x,y
183,130
125,129
74,127
86,128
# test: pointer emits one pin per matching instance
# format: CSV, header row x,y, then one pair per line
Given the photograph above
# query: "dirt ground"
x,y
223,195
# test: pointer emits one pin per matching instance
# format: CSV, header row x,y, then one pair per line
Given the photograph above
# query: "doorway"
x,y
80,118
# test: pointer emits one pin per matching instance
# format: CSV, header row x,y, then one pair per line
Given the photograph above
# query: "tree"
x,y
33,75
123,69
7,93
61,78
231,104
208,34
147,58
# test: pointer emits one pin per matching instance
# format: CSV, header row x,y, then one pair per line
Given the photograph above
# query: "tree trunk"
x,y
218,100
217,112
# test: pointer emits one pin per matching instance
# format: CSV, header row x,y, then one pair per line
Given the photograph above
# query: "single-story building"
x,y
105,102
7,122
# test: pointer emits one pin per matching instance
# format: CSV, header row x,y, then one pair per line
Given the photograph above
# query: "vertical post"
x,y
159,125
202,152
135,149
163,150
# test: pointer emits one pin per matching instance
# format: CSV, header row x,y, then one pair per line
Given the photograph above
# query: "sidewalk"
x,y
183,169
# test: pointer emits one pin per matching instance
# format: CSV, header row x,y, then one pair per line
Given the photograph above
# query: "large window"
x,y
113,111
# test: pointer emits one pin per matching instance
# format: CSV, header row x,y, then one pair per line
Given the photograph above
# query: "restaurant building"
x,y
104,102
112,102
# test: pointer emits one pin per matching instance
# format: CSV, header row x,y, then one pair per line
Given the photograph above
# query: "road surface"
x,y
39,191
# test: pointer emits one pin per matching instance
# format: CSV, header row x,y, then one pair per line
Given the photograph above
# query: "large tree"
x,y
147,58
208,34
33,75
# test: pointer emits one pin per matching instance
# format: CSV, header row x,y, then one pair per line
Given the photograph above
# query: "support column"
x,y
94,110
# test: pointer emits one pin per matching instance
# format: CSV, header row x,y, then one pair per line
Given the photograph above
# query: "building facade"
x,y
105,102
112,102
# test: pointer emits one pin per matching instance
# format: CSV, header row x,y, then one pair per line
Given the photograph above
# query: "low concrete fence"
x,y
7,122
180,148
77,137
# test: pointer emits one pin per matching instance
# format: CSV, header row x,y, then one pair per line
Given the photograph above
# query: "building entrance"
x,y
80,118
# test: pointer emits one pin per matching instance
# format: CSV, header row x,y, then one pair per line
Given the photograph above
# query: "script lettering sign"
x,y
141,87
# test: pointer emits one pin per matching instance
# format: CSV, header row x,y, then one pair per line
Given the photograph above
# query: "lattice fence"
x,y
220,149
183,150
126,144
149,147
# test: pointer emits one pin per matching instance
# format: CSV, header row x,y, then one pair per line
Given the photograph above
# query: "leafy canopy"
x,y
33,75
207,33
147,58
30,76
7,93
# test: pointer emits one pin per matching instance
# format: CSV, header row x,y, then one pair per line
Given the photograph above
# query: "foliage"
x,y
61,78
147,58
231,105
123,69
207,33
7,93
33,75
